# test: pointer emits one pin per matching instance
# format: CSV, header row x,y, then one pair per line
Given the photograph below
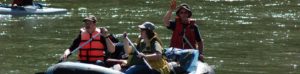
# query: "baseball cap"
x,y
147,25
90,18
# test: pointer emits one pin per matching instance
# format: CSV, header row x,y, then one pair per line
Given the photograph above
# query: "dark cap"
x,y
186,7
147,25
90,18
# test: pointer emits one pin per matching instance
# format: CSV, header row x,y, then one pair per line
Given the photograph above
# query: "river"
x,y
240,36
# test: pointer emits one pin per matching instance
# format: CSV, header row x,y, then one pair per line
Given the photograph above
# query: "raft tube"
x,y
79,68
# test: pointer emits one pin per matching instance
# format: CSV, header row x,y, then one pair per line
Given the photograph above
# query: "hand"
x,y
124,63
173,5
141,55
63,58
125,35
104,31
65,55
201,58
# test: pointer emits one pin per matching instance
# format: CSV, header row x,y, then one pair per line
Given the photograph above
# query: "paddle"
x,y
138,52
62,59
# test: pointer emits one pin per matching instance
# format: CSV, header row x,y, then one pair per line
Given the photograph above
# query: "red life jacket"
x,y
177,40
92,51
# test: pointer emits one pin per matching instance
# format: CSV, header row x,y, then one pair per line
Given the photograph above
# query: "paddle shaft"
x,y
186,40
138,52
75,50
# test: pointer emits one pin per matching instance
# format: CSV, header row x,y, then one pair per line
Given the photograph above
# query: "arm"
x,y
109,44
154,56
74,45
169,13
157,55
127,48
117,61
199,39
200,44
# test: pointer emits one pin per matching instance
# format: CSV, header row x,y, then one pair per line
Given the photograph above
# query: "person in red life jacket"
x,y
16,3
185,34
94,52
186,37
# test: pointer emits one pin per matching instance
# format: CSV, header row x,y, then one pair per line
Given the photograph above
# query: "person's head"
x,y
147,30
184,11
90,22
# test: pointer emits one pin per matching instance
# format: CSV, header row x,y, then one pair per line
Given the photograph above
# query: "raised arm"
x,y
168,15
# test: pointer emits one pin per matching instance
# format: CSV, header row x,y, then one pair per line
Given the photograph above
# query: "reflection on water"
x,y
241,36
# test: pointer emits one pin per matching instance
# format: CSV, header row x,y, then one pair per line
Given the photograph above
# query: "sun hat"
x,y
186,7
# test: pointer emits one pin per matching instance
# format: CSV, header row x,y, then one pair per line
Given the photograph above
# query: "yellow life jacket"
x,y
160,65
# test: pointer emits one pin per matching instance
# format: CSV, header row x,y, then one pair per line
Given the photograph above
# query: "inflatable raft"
x,y
171,53
79,68
82,68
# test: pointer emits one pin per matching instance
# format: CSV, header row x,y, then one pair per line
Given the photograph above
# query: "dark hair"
x,y
151,35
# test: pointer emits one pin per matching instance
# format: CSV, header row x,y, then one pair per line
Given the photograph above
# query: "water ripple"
x,y
3,33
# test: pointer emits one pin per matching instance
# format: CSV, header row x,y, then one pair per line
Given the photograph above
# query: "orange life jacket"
x,y
92,51
177,40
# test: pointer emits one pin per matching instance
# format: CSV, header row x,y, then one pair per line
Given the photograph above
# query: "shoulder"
x,y
192,21
156,43
172,25
98,29
82,30
197,22
172,21
157,46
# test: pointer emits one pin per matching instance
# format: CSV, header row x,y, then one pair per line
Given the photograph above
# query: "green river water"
x,y
241,36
